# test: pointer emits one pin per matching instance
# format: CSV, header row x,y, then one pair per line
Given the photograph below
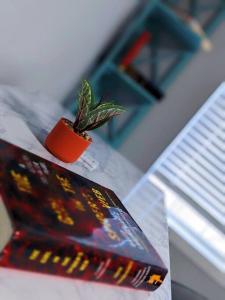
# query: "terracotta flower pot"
x,y
64,143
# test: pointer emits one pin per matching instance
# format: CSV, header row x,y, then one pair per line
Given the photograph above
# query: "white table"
x,y
25,120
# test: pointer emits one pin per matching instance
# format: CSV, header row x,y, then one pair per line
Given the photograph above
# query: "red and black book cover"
x,y
66,225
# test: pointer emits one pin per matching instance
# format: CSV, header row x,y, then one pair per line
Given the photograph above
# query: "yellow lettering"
x,y
65,261
45,257
78,205
118,272
35,253
22,182
100,198
59,209
65,184
56,259
75,263
154,279
126,272
84,265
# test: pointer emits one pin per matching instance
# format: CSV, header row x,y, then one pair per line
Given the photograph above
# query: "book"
x,y
56,222
137,46
147,84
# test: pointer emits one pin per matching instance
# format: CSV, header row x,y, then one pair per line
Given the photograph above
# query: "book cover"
x,y
56,222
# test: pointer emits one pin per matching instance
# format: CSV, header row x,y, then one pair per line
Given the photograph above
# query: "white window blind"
x,y
191,172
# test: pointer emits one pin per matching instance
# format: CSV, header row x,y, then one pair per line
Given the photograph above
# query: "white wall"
x,y
46,45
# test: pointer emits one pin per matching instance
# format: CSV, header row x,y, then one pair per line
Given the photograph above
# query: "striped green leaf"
x,y
84,104
102,114
91,115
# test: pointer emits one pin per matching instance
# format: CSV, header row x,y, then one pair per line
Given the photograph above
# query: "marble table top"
x,y
25,119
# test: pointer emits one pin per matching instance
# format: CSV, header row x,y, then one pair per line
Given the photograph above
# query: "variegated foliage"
x,y
92,114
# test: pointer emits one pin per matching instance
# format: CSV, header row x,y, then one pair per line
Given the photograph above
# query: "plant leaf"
x,y
93,100
84,104
102,114
96,125
91,114
105,106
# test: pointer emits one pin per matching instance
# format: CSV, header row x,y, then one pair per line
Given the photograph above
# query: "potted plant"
x,y
68,140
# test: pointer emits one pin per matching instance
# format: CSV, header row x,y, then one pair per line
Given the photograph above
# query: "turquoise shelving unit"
x,y
109,81
171,47
209,13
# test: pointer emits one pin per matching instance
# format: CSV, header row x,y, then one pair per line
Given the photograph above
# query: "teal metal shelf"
x,y
109,81
171,47
209,14
135,98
